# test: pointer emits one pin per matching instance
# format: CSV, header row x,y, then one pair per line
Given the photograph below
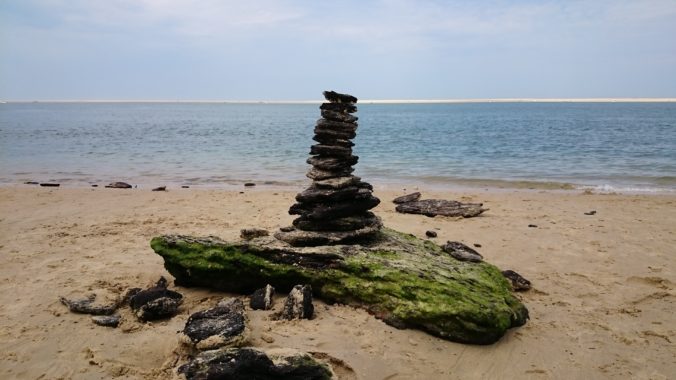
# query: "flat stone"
x,y
330,150
349,223
327,133
118,185
332,163
252,233
298,304
224,325
407,198
160,188
315,194
336,125
330,140
319,174
339,116
519,283
336,97
88,305
338,183
434,207
462,252
430,234
51,184
156,302
107,320
263,298
252,363
338,107
327,211
299,238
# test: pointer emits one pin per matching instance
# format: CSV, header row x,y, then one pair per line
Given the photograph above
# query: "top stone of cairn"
x,y
335,97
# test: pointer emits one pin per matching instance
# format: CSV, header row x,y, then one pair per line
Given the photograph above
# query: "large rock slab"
x,y
434,207
220,326
403,280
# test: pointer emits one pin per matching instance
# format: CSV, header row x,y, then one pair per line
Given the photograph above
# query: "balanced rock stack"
x,y
334,209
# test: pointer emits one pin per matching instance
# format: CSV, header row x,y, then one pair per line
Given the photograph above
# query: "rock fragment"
x,y
156,302
462,252
107,320
88,305
118,185
262,299
160,188
434,207
298,304
407,198
252,233
431,234
519,283
224,325
50,184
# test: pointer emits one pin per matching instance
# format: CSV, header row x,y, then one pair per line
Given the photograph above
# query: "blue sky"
x,y
292,50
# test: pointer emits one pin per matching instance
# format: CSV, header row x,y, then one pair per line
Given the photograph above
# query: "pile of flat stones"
x,y
335,208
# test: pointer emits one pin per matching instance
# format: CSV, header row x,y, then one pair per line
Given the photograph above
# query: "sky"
x,y
295,49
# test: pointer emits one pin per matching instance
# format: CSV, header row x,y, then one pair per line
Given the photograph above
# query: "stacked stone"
x,y
334,209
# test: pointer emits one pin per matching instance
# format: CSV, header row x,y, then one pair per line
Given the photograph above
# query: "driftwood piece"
x,y
434,207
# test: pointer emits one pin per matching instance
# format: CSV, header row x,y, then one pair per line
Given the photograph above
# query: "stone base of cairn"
x,y
334,209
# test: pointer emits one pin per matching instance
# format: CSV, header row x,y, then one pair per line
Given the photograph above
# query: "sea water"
x,y
614,146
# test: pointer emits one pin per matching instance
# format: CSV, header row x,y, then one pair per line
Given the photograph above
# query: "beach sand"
x,y
602,305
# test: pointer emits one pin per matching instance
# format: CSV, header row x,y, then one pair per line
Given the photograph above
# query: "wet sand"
x,y
602,305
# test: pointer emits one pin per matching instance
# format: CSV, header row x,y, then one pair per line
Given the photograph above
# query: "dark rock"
x,y
519,283
330,150
407,198
287,229
252,233
477,245
329,195
251,363
430,234
336,97
462,252
88,306
592,212
107,320
298,304
331,140
319,174
338,182
334,210
185,187
31,183
118,185
300,238
156,302
533,225
326,134
161,188
339,116
336,125
50,184
224,325
348,223
434,207
95,185
332,163
262,299
338,107
249,184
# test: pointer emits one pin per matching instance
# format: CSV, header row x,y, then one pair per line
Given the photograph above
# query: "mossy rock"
x,y
403,280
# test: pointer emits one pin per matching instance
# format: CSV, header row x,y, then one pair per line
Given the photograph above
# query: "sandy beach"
x,y
602,304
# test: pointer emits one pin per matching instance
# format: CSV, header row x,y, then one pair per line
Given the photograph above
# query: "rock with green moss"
x,y
403,280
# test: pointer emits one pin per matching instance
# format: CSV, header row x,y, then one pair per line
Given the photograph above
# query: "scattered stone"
x,y
88,306
298,304
185,187
430,234
50,184
118,185
462,252
252,233
434,207
31,183
252,363
267,338
107,320
335,208
156,302
249,184
224,325
533,225
519,283
161,188
477,245
407,198
592,212
287,229
95,185
262,299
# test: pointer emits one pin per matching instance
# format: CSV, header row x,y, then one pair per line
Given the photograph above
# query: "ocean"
x,y
606,146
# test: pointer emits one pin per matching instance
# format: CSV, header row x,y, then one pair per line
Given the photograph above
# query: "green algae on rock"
x,y
403,280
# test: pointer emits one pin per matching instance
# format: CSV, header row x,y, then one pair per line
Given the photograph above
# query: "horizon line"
x,y
364,101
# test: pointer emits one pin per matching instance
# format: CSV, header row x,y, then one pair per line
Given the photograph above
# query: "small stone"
x,y
156,302
249,184
95,185
477,245
252,233
267,338
407,198
519,283
262,299
533,226
461,252
298,304
330,150
318,174
107,320
592,212
336,97
118,185
88,306
50,184
185,187
31,183
430,234
287,229
338,183
224,325
161,188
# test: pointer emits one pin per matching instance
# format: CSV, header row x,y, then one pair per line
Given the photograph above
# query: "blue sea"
x,y
611,146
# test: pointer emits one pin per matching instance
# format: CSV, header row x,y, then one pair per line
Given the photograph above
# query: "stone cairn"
x,y
334,209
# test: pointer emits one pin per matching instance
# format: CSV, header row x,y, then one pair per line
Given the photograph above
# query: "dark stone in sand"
x,y
300,238
477,245
118,185
334,210
263,298
161,188
249,184
327,134
224,325
349,223
287,229
88,306
434,207
339,116
338,107
593,212
407,198
462,252
250,363
330,150
298,304
185,187
95,185
332,163
338,183
319,174
31,183
430,234
107,320
336,97
519,283
252,233
533,225
336,125
50,184
328,195
156,302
